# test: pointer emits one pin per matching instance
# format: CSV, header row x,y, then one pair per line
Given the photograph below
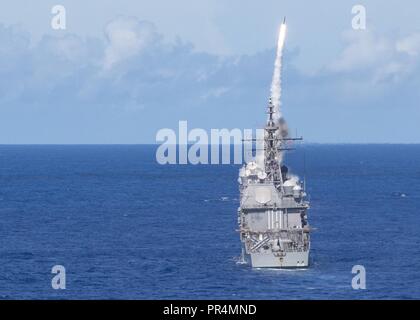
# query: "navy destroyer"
x,y
272,216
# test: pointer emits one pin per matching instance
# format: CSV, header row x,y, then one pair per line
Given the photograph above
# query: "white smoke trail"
x,y
276,82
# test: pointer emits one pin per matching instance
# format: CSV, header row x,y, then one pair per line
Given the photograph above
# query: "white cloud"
x,y
127,37
69,48
377,59
363,50
409,44
215,93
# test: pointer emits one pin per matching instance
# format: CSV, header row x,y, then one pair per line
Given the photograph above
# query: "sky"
x,y
122,70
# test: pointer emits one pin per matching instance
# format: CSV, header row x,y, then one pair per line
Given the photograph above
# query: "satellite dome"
x,y
252,166
262,175
289,183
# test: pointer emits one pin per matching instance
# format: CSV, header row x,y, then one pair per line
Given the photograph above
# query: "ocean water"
x,y
125,227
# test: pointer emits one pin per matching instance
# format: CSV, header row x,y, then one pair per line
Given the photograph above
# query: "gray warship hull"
x,y
288,260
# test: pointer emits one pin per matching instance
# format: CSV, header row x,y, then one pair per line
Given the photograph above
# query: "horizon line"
x,y
210,144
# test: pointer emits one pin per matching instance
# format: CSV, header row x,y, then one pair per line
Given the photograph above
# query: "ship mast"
x,y
272,152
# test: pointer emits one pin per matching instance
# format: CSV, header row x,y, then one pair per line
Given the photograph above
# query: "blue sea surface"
x,y
126,227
